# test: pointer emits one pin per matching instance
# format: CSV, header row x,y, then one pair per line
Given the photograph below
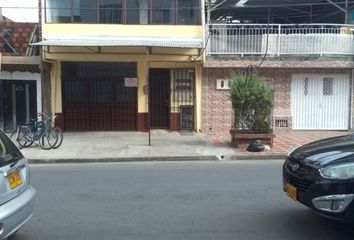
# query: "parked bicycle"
x,y
39,130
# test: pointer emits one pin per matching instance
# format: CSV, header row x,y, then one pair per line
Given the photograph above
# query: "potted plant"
x,y
252,102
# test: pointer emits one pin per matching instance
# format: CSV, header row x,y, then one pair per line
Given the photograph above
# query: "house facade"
x,y
305,51
20,79
113,65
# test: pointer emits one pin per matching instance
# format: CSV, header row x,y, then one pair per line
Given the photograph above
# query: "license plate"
x,y
291,191
14,179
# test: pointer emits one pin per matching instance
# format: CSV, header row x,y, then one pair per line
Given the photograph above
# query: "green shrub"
x,y
252,102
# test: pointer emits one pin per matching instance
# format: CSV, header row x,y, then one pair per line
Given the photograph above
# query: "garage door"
x,y
320,102
96,98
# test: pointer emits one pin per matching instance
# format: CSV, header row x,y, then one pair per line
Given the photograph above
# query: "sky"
x,y
20,10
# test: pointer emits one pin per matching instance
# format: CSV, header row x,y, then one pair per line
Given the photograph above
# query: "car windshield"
x,y
9,153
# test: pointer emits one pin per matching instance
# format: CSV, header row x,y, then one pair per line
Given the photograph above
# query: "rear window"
x,y
9,153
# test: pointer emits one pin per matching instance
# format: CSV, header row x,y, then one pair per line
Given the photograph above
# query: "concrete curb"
x,y
127,159
160,159
257,157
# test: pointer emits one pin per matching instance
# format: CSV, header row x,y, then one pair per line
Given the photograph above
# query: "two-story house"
x,y
304,48
20,79
123,64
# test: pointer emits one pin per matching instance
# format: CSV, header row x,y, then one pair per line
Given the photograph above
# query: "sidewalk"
x,y
129,146
165,145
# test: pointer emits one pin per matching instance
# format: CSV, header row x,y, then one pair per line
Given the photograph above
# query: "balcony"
x,y
280,40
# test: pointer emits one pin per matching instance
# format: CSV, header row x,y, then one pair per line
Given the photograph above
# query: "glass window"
x,y
163,12
137,12
58,11
8,151
85,11
111,11
189,12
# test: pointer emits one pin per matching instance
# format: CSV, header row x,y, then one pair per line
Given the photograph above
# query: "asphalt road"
x,y
170,201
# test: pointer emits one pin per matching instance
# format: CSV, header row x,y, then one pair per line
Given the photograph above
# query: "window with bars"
x,y
306,86
328,86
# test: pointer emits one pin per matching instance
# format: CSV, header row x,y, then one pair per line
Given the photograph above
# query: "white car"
x,y
16,194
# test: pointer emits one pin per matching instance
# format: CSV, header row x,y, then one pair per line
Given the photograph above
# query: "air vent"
x,y
281,123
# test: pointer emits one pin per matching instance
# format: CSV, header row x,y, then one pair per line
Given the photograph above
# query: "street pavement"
x,y
198,200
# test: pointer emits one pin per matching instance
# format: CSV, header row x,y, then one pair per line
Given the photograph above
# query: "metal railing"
x,y
280,39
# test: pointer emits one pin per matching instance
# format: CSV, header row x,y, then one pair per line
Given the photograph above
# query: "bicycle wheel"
x,y
48,140
60,137
23,137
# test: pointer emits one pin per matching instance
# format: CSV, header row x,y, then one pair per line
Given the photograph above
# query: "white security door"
x,y
320,102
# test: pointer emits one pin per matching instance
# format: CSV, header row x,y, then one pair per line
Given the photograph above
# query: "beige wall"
x,y
122,30
169,61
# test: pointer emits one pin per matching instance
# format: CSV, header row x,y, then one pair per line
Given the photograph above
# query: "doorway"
x,y
159,98
19,103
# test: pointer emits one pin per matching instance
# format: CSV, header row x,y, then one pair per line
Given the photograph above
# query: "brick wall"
x,y
217,108
20,36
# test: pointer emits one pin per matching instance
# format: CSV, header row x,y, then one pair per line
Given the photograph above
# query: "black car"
x,y
320,175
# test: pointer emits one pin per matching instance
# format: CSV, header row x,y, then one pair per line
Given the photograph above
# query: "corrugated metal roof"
x,y
104,41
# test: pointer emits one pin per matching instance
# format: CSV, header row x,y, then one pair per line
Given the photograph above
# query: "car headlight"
x,y
341,172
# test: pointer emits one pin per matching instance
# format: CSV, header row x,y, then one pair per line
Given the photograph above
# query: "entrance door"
x,y
320,102
159,98
19,103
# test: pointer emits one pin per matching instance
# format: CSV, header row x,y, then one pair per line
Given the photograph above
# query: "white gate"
x,y
320,102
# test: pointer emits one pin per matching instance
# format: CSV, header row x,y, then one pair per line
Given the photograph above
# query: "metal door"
x,y
159,103
320,102
96,98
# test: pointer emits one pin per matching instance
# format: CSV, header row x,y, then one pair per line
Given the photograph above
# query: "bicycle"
x,y
41,131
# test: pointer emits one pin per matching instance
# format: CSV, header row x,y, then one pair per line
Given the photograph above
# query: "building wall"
x,y
216,105
122,30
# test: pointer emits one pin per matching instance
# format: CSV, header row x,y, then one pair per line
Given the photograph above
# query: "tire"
x,y
48,140
60,137
23,137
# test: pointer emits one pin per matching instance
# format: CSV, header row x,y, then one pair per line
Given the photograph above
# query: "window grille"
x,y
306,86
281,123
327,86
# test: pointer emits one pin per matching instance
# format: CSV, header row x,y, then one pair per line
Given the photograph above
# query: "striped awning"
x,y
114,41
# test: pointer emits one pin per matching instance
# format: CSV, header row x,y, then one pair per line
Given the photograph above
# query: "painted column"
x,y
142,116
198,96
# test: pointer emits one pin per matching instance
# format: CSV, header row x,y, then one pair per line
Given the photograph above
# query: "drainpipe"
x,y
55,73
209,12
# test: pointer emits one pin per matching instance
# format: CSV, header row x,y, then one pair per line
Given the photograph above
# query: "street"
x,y
170,201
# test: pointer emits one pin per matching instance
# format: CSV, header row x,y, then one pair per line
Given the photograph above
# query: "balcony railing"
x,y
280,39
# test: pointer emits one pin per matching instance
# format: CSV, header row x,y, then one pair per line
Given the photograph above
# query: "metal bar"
x,y
217,5
336,5
148,91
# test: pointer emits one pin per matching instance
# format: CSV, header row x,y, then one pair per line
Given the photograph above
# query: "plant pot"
x,y
244,138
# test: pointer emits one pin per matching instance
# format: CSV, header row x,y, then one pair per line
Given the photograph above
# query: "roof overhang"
x,y
117,41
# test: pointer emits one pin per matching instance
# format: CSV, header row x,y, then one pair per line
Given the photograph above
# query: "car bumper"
x,y
15,213
321,188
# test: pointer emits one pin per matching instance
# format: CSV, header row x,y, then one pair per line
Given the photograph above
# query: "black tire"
x,y
60,137
23,137
48,141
